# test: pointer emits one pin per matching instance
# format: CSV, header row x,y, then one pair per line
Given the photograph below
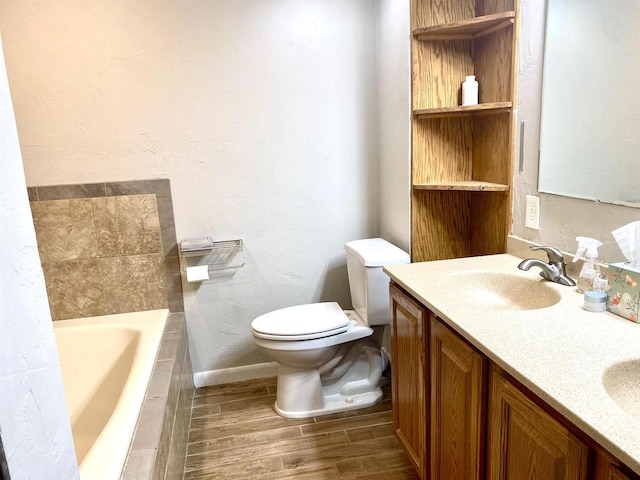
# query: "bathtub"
x,y
106,363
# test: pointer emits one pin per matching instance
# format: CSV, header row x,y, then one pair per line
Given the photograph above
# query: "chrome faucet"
x,y
553,271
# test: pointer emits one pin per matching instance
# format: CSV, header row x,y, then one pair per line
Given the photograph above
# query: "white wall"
x,y
34,424
394,121
262,113
562,218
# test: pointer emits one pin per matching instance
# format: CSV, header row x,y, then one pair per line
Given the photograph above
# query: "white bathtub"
x,y
106,364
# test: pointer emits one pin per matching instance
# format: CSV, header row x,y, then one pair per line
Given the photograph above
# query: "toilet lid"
x,y
302,322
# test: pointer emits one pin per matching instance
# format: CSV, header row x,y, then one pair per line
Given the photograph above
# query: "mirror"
x,y
590,119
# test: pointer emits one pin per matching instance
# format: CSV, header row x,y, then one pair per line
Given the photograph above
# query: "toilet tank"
x,y
369,285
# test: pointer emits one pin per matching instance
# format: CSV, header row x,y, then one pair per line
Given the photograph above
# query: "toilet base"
x,y
336,403
350,380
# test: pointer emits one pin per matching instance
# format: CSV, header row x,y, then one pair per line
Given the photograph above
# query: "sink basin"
x,y
622,383
502,291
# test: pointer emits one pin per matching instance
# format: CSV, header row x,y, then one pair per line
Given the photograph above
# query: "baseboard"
x,y
235,374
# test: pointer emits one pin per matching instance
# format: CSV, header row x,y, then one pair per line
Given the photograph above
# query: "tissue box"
x,y
624,291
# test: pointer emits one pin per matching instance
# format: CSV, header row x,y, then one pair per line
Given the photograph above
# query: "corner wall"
x,y
394,121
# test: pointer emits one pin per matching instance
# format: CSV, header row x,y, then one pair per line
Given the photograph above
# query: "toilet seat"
x,y
303,322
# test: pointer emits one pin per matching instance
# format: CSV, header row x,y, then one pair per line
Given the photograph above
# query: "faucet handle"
x,y
555,255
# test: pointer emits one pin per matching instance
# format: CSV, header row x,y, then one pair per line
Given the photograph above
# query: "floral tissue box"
x,y
624,291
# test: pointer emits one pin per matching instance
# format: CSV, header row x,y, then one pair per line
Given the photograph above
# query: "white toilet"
x,y
327,359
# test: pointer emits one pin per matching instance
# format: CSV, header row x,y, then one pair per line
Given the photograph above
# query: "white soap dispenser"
x,y
587,248
470,91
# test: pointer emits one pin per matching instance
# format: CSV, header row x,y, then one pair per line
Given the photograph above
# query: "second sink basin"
x,y
502,291
622,383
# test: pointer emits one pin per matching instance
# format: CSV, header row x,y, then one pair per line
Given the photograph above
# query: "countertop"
x,y
559,352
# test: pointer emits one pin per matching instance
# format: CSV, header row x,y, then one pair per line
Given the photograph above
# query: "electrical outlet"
x,y
532,218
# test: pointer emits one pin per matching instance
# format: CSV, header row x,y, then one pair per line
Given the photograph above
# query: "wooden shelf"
x,y
462,156
466,186
466,29
467,111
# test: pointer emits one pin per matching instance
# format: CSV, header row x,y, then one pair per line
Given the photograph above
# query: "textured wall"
x,y
263,114
561,218
34,423
107,248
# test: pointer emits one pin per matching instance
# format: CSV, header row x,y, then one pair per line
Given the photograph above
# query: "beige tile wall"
x,y
159,446
107,248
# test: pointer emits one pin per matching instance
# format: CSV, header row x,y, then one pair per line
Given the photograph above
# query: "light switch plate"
x,y
532,217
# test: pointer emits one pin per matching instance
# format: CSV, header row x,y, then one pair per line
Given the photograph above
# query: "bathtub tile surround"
x,y
158,449
107,247
65,230
161,188
134,283
122,233
62,192
62,282
167,227
127,225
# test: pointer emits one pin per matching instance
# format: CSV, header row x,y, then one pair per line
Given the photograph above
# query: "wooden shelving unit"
x,y
462,156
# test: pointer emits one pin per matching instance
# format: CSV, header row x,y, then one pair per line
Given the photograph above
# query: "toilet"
x,y
328,359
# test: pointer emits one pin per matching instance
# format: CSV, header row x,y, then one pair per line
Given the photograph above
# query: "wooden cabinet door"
x,y
457,392
608,468
610,471
526,443
409,377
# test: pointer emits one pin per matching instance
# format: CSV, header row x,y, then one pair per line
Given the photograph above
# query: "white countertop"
x,y
559,352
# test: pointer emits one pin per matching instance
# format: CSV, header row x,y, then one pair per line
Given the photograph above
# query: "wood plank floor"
x,y
235,433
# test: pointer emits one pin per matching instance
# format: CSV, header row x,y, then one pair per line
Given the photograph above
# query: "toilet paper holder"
x,y
217,255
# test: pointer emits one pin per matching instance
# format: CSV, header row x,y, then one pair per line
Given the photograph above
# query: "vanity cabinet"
x,y
438,393
526,442
460,417
462,156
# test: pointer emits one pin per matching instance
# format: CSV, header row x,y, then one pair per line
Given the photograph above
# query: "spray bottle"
x,y
587,249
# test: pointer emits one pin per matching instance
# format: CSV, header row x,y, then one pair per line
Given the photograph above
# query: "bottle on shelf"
x,y
470,91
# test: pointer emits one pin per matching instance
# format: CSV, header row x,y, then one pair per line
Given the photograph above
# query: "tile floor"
x,y
235,433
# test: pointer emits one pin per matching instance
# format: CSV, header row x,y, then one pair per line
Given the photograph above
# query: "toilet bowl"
x,y
328,360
